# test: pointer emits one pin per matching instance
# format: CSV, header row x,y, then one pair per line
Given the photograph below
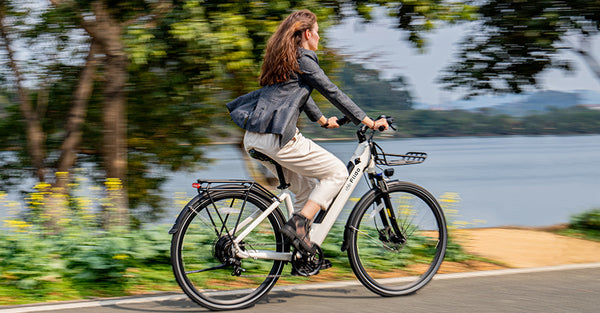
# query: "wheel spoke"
x,y
208,269
377,255
376,241
204,255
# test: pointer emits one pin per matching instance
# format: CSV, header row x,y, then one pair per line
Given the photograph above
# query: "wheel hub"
x,y
224,250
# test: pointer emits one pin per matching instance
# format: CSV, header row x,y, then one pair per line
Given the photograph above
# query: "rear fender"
x,y
186,208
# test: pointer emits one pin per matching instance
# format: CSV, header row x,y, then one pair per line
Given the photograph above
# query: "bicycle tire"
x,y
385,265
201,242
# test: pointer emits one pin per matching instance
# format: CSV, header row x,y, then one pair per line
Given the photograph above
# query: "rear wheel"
x,y
202,252
396,240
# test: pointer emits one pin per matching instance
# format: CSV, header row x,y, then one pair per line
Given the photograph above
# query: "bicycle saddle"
x,y
263,157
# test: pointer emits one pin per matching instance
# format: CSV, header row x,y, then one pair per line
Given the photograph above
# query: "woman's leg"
x,y
315,174
310,169
308,159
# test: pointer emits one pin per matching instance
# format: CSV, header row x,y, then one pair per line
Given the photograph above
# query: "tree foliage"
x,y
513,41
177,63
183,60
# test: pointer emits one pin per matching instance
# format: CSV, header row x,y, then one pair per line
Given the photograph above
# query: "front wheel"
x,y
396,240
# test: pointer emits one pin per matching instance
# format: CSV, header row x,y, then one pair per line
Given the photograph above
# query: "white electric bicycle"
x,y
228,251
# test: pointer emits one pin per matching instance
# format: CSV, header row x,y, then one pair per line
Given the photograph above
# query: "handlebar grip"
x,y
343,120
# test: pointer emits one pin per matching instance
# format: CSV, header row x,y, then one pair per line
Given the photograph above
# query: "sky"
x,y
380,46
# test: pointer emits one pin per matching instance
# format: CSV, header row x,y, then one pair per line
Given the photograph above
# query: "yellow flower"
x,y
120,256
17,225
113,184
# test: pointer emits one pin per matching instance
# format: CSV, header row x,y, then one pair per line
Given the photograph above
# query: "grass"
x,y
587,234
585,225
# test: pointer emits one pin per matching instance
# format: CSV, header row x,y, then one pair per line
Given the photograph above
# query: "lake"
x,y
513,180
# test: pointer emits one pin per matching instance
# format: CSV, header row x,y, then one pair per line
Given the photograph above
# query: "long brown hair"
x,y
282,48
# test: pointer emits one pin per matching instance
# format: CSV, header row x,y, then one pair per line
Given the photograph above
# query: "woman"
x,y
289,73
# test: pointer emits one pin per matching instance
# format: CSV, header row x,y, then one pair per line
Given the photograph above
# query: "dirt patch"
x,y
521,248
468,266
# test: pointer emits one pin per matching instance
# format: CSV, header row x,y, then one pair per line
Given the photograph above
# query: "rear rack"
x,y
208,185
390,159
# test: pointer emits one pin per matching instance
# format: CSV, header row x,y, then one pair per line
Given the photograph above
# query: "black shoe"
x,y
296,232
326,264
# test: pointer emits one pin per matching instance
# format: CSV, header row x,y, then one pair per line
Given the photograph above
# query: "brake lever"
x,y
389,120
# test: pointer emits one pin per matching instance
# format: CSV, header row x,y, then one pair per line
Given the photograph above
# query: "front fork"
x,y
391,231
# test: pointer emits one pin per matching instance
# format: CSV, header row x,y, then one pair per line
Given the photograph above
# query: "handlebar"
x,y
343,120
389,120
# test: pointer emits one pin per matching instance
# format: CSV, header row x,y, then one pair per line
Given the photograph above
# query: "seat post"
x,y
282,183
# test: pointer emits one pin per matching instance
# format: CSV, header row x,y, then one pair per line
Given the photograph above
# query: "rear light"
x,y
196,185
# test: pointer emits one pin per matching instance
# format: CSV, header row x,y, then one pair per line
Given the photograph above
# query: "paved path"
x,y
571,288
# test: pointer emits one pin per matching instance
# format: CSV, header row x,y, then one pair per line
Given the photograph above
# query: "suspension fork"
x,y
391,232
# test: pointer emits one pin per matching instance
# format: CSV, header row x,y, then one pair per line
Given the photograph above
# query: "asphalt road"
x,y
558,289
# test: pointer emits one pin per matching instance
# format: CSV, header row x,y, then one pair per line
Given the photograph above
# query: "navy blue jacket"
x,y
276,108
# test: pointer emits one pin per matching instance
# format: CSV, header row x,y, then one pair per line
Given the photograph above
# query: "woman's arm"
x,y
313,75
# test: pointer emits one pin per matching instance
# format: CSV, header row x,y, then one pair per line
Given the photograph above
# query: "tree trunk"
x,y
57,200
107,32
35,134
76,118
114,141
106,35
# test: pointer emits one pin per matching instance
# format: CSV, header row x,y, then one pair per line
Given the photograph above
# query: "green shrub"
x,y
29,262
589,220
98,259
32,261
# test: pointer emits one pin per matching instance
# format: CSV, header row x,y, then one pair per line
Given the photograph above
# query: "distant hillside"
x,y
541,101
523,104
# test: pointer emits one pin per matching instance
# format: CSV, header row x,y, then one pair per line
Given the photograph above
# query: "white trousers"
x,y
312,172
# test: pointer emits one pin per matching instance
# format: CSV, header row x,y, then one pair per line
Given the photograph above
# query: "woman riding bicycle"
x,y
289,73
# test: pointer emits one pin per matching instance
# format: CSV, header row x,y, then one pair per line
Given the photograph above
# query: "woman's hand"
x,y
376,125
380,124
329,123
332,122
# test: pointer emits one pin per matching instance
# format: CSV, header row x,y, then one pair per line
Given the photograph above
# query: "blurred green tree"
x,y
137,87
513,41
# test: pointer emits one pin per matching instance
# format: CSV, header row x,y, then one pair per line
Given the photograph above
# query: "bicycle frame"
x,y
360,164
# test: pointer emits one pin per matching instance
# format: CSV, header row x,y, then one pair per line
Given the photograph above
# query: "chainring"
x,y
305,263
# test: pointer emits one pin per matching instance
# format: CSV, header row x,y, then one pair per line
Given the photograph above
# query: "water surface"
x,y
515,180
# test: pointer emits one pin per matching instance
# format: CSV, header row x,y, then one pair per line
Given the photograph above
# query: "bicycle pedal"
x,y
295,272
326,264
